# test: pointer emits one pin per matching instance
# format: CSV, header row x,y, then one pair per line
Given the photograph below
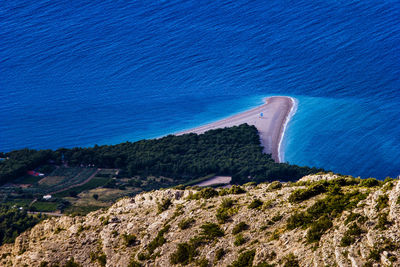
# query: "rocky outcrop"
x,y
147,229
319,177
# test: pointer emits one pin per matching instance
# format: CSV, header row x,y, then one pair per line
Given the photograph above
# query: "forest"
x,y
15,221
234,151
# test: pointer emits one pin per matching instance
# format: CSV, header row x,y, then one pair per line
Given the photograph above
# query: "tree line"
x,y
234,151
14,221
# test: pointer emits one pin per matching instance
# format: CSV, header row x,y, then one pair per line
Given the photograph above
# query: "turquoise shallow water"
x,y
82,73
348,135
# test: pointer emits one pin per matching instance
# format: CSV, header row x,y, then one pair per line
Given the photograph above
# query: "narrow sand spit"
x,y
276,113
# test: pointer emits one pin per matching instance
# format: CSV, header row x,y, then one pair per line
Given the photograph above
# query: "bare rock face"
x,y
319,177
149,228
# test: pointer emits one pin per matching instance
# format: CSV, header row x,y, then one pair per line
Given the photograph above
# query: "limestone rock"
x,y
103,234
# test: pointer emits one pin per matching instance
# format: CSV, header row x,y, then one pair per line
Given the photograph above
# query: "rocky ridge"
x,y
270,224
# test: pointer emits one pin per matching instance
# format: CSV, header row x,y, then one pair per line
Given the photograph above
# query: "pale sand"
x,y
277,111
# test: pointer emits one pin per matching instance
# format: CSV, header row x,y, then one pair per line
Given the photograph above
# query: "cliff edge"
x,y
321,220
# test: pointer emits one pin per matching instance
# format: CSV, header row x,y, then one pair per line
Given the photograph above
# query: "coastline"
x,y
289,116
271,125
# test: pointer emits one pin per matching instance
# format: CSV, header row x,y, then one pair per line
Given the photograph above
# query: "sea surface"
x,y
79,73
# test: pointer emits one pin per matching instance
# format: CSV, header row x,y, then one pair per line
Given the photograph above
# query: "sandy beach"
x,y
270,119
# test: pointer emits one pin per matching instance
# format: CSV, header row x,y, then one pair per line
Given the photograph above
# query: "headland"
x,y
270,119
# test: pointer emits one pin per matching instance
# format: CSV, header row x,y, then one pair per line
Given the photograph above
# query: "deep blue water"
x,y
78,73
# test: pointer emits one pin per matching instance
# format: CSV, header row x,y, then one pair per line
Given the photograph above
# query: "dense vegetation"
x,y
186,252
318,218
13,222
232,151
18,162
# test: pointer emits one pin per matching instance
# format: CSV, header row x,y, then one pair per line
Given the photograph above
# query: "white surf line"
x,y
288,118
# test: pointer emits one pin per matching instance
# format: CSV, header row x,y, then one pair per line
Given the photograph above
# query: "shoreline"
x,y
270,119
289,116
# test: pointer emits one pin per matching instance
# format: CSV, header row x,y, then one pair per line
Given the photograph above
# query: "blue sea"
x,y
79,73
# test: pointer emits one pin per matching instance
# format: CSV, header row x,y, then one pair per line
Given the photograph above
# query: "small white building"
x,y
46,197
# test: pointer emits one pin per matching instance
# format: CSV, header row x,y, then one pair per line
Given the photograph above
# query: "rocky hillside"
x,y
322,220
